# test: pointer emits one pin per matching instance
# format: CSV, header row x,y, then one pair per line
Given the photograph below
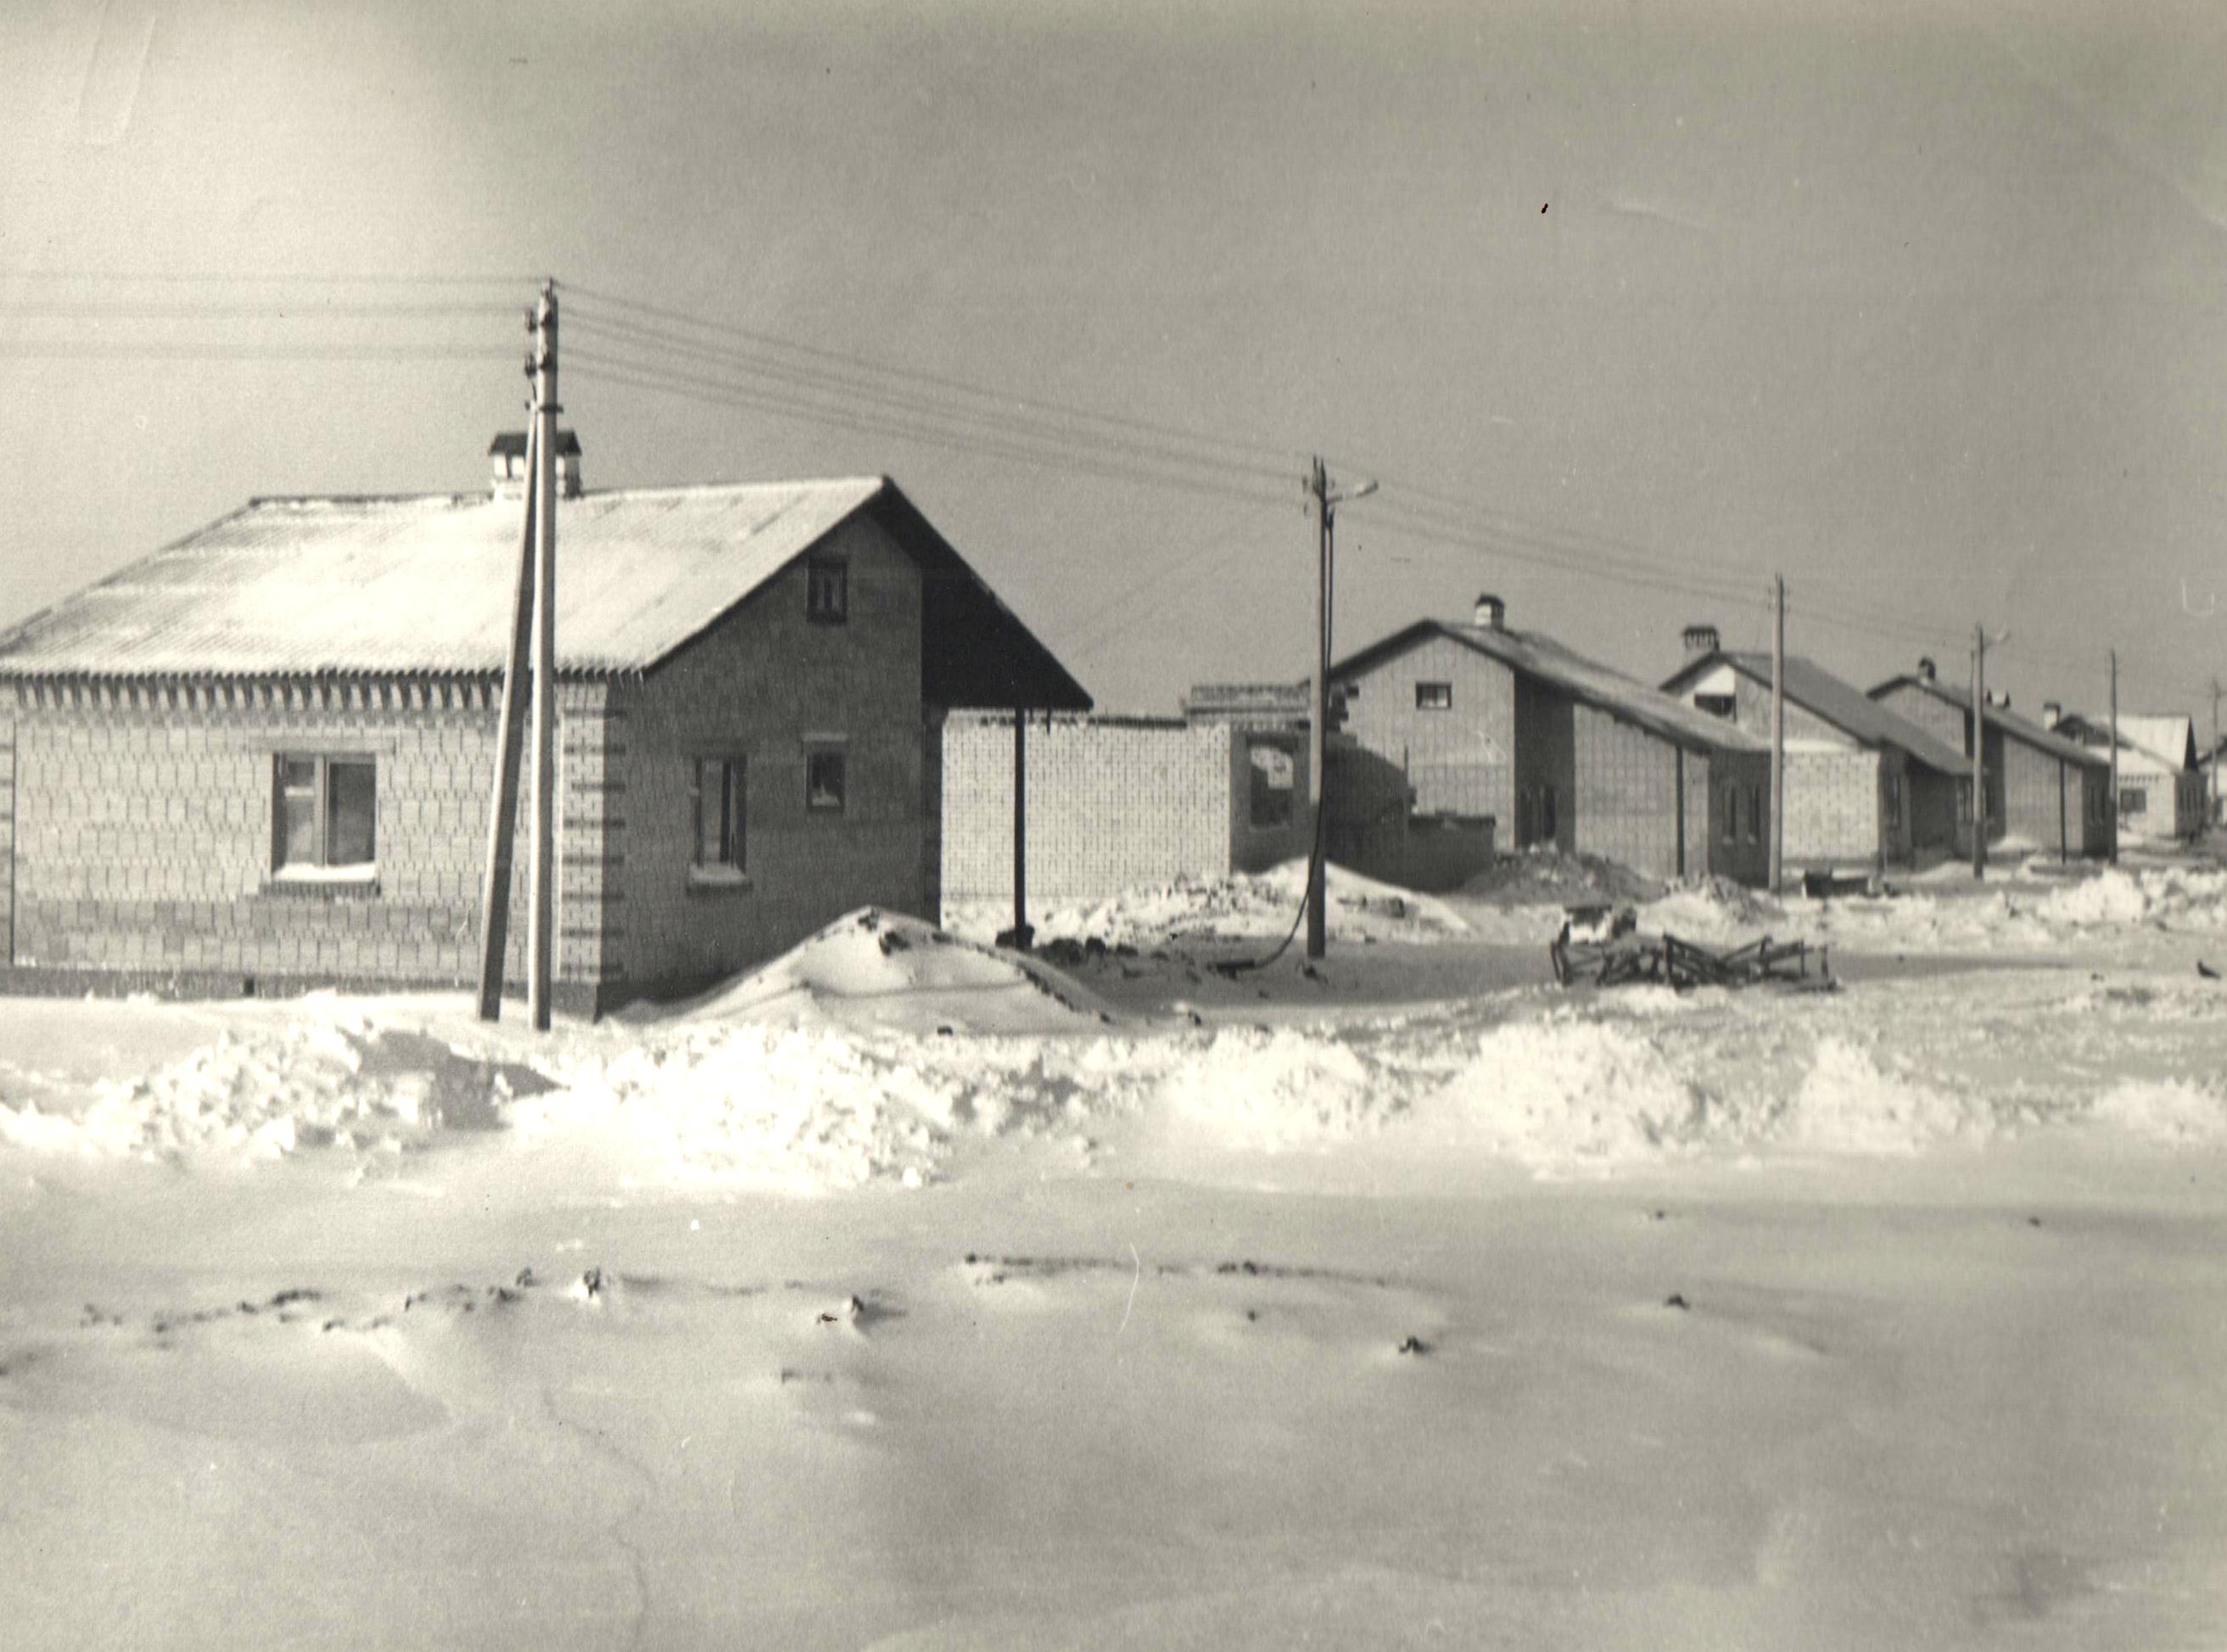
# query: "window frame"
x,y
817,571
732,862
1259,789
815,753
1433,695
320,868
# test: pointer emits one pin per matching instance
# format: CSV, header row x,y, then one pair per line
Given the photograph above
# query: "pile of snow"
x,y
2169,897
1569,1091
1245,906
876,968
1848,1103
2180,1111
319,1081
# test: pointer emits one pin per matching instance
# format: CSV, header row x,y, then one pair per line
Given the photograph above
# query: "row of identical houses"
x,y
261,758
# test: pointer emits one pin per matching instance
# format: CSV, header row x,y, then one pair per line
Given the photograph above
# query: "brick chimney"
x,y
1702,638
1491,614
506,464
2052,713
1925,668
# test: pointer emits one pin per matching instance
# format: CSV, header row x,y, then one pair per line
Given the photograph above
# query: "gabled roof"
x,y
511,444
1584,679
1817,692
2167,742
1999,717
418,585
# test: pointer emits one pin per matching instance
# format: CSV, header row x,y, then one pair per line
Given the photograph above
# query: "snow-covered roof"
x,y
1999,717
2164,743
426,584
1847,707
1596,684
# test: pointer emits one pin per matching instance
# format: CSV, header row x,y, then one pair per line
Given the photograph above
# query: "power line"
x,y
1282,455
672,351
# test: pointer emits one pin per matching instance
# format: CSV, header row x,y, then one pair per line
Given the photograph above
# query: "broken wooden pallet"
x,y
1670,960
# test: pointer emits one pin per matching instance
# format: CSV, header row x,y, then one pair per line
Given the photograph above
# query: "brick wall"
x,y
1113,804
767,684
1459,760
1627,793
1832,807
144,819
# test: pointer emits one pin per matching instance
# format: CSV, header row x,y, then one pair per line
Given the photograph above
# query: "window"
x,y
1549,821
324,814
1273,770
1724,705
823,780
1434,696
2133,800
721,797
827,590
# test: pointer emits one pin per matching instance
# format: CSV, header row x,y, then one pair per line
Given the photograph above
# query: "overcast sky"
x,y
1627,306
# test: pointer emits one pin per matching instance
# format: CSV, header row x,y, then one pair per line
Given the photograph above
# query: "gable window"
x,y
1273,770
1434,696
721,797
827,590
324,814
824,780
1724,705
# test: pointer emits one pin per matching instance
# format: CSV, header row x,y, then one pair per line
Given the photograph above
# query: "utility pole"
x,y
1778,731
1980,642
1319,715
1979,753
1326,501
502,815
2114,756
541,917
2212,816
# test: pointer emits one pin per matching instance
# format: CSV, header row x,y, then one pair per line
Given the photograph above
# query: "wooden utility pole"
x,y
541,917
2212,811
1021,936
1979,752
2114,756
1318,714
502,815
1778,731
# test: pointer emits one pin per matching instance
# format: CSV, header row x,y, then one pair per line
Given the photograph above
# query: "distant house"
x,y
1116,803
1250,705
262,757
2160,787
2042,790
1865,786
1464,732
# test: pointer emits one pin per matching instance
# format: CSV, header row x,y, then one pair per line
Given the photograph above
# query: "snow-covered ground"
x,y
912,1295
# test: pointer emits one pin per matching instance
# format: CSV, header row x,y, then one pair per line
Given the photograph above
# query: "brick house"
x,y
1463,726
1866,787
2160,781
262,758
2042,790
1119,802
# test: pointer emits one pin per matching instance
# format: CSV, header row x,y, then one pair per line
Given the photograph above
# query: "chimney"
x,y
506,464
1925,668
2052,713
2001,701
1700,639
1491,613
